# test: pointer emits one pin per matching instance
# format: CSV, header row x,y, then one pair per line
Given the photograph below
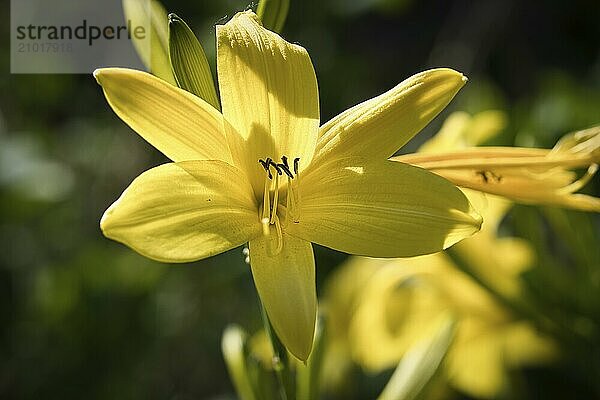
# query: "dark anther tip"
x,y
286,169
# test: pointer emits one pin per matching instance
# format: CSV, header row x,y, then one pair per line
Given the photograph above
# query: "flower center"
x,y
271,207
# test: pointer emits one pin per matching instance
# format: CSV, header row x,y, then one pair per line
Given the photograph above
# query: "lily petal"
x,y
268,92
180,212
286,285
380,126
381,209
179,124
531,176
554,187
534,176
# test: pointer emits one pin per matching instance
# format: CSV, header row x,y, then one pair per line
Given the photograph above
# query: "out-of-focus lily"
x,y
379,308
495,260
263,172
404,297
534,176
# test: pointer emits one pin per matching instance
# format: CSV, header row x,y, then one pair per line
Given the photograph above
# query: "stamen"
x,y
269,211
266,211
265,164
265,226
286,169
271,162
275,200
581,182
279,239
290,203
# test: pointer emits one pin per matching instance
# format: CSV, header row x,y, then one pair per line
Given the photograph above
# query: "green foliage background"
x,y
84,317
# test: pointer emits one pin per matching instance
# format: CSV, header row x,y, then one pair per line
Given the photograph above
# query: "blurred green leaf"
x,y
576,231
273,13
233,346
190,66
154,55
307,376
419,364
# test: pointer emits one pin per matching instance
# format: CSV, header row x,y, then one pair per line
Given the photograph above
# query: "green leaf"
x,y
233,346
419,364
155,56
308,376
189,63
273,13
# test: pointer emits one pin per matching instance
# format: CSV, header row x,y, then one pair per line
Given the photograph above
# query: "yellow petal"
x,y
551,187
494,157
534,176
268,93
475,364
421,361
286,286
180,212
463,130
498,261
179,124
527,346
380,126
397,307
382,209
584,142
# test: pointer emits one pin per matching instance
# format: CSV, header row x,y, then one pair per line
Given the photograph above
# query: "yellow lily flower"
x,y
263,172
498,261
533,176
378,309
401,302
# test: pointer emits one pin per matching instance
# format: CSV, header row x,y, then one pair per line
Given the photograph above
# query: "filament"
x,y
279,239
581,182
266,201
275,200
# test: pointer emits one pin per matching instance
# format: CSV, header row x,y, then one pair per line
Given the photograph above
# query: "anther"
x,y
286,169
271,162
265,164
296,161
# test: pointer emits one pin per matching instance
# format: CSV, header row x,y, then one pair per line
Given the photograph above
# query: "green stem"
x,y
281,362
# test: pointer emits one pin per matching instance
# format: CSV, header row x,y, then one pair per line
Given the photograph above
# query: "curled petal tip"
x,y
96,74
104,221
465,79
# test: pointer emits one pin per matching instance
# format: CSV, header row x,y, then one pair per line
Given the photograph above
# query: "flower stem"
x,y
281,364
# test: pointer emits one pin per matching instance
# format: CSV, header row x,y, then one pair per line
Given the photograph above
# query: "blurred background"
x,y
84,317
